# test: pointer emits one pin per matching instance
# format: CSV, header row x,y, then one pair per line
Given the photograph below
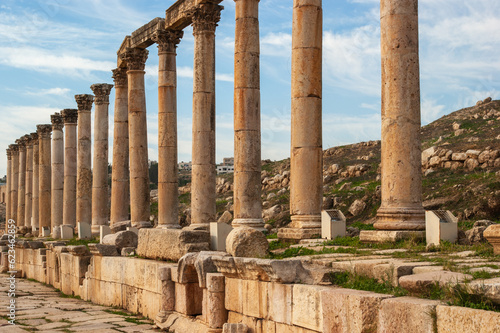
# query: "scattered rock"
x,y
120,226
423,281
475,235
121,239
357,207
247,242
271,212
226,217
352,231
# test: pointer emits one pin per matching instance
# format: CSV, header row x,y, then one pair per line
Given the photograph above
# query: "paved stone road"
x,y
41,308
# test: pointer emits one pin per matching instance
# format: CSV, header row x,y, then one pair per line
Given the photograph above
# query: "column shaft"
x,y
84,171
247,145
9,185
57,189
29,183
203,210
70,117
15,181
401,207
36,185
45,176
21,206
120,186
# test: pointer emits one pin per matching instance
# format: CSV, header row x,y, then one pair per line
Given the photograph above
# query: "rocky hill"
x,y
460,164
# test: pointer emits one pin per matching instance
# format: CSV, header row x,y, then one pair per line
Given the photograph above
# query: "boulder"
x,y
120,226
459,156
247,242
357,207
226,217
475,235
121,239
271,212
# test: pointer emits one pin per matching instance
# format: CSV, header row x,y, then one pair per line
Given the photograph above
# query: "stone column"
x,y
247,147
138,138
45,175
57,189
306,161
21,191
120,186
100,209
36,184
168,192
14,175
84,171
70,118
29,182
401,207
203,211
9,187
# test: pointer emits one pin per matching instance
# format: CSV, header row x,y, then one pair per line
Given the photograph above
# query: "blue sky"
x,y
51,50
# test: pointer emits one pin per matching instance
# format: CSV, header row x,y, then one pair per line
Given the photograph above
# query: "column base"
x,y
198,226
400,218
142,224
168,226
306,222
250,223
162,317
295,234
388,236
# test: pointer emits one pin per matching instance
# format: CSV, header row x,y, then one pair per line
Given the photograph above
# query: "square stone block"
x,y
440,225
307,309
332,224
84,230
67,232
280,302
218,235
45,231
188,299
459,319
254,298
382,236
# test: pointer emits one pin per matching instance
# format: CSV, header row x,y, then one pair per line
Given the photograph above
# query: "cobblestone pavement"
x,y
41,308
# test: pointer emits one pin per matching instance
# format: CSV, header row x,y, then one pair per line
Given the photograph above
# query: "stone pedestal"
x,y
21,190
57,175
100,210
217,313
167,305
36,185
247,144
492,235
440,225
14,175
9,187
168,193
401,207
138,139
84,171
306,160
203,174
29,181
120,186
70,117
45,175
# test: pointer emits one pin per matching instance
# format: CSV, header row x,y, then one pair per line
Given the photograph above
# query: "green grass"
x,y
86,242
185,198
272,236
278,244
154,208
362,226
361,282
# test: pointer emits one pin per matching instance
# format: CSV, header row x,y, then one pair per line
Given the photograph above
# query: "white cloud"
x,y
276,44
50,91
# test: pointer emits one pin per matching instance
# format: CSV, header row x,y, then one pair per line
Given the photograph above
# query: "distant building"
x,y
227,166
184,166
228,161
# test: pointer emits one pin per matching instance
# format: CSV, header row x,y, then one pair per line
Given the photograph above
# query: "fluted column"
x,y
84,171
100,209
401,207
306,156
70,118
14,175
57,189
21,191
138,139
45,175
168,192
247,145
36,184
203,211
9,189
120,185
29,182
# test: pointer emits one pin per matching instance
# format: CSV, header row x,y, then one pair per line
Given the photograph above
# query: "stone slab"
x,y
84,230
218,235
422,281
384,236
103,231
67,232
459,319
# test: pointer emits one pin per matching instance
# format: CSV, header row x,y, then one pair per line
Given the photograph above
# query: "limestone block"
x,y
204,265
459,319
492,235
152,243
103,250
350,311
440,225
120,226
218,235
121,239
332,224
67,232
307,306
234,328
381,236
247,242
84,230
78,250
103,231
133,229
490,287
45,231
234,295
188,299
280,303
407,314
254,298
216,313
419,282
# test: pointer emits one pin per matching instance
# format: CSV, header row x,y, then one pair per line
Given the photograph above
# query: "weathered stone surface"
x,y
120,226
357,207
78,250
121,239
422,281
103,250
307,306
226,217
380,236
492,235
234,328
459,319
153,243
490,287
246,242
476,234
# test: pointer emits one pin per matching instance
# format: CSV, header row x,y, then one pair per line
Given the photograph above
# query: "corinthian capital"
x,y
14,149
44,131
70,116
57,122
120,77
21,142
84,102
34,138
135,58
9,153
101,92
205,17
167,40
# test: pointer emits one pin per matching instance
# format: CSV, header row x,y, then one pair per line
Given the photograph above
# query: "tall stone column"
x,y
401,207
29,182
120,185
247,146
203,211
70,118
9,187
138,139
14,175
306,156
21,191
45,175
168,191
57,189
100,209
36,185
84,171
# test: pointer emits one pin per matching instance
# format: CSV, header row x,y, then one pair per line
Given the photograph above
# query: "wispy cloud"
x,y
50,91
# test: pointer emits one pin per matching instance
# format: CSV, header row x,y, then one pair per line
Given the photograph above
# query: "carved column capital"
x,y
167,39
205,18
101,92
120,77
9,153
84,102
135,58
70,116
57,122
34,138
14,149
21,143
44,131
